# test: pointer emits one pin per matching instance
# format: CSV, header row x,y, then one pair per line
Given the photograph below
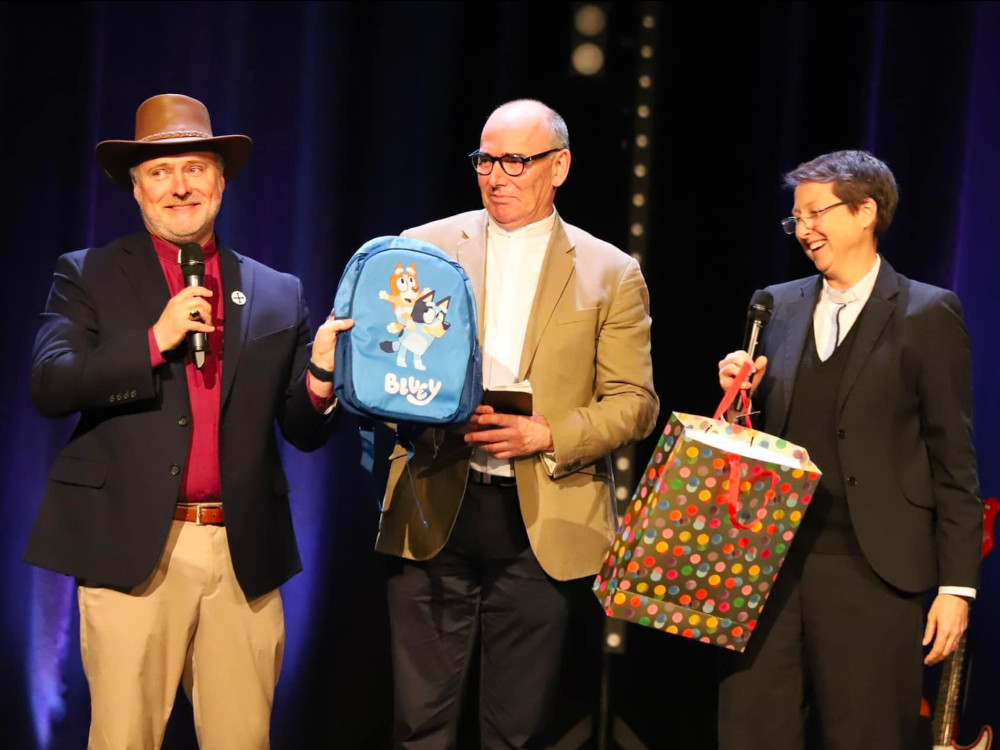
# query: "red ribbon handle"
x,y
730,395
734,462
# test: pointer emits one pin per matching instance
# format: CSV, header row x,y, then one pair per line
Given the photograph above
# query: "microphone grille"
x,y
761,306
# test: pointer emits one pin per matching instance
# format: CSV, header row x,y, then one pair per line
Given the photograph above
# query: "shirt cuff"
x,y
155,356
549,461
963,591
323,404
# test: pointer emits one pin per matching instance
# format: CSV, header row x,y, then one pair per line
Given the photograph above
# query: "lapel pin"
x,y
239,298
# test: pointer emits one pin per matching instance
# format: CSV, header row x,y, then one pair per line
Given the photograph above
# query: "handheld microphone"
x,y
192,260
758,314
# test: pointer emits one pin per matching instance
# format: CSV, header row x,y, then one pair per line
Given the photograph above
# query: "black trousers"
x,y
486,582
834,639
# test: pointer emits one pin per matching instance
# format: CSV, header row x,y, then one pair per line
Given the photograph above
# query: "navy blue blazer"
x,y
905,425
111,492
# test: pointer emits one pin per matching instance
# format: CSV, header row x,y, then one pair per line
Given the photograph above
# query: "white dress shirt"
x,y
838,310
513,264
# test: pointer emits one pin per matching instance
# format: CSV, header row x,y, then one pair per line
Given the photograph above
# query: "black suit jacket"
x,y
905,425
111,492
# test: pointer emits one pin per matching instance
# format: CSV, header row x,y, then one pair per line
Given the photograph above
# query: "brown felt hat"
x,y
170,124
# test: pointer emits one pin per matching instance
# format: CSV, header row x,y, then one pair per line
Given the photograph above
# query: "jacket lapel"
x,y
237,279
142,269
878,310
470,252
141,266
555,274
797,318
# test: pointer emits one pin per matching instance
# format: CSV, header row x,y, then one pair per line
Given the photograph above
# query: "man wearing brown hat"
x,y
169,504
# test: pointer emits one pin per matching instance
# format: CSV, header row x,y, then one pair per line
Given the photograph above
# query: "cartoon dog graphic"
x,y
428,322
403,292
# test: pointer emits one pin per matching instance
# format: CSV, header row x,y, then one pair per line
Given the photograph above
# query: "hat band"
x,y
175,134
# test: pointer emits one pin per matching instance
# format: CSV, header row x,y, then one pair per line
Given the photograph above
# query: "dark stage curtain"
x,y
361,115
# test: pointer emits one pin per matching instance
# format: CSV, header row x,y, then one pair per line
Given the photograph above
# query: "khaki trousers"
x,y
189,620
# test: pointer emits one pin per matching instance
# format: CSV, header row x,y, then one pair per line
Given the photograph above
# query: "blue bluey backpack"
x,y
413,355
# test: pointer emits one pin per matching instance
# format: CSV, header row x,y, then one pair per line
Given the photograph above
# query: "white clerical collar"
x,y
859,292
537,229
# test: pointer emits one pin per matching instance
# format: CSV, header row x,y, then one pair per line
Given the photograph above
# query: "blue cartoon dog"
x,y
427,323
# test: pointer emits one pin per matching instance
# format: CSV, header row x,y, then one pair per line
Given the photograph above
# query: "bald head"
x,y
529,114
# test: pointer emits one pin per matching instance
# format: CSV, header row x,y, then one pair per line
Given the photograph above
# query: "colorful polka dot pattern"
x,y
677,563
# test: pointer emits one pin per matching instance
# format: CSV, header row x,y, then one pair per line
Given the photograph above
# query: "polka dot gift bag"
x,y
707,530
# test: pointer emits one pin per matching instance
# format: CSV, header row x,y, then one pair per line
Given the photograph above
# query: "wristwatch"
x,y
319,373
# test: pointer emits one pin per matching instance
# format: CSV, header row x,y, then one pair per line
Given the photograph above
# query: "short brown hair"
x,y
856,175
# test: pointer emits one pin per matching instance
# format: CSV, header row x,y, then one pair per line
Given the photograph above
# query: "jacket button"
x,y
841,433
111,399
182,421
174,470
132,393
852,481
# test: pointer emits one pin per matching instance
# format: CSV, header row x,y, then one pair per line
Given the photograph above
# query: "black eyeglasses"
x,y
809,220
512,164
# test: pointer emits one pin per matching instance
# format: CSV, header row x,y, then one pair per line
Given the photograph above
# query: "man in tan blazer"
x,y
515,505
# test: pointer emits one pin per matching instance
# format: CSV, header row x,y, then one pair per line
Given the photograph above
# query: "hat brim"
x,y
118,157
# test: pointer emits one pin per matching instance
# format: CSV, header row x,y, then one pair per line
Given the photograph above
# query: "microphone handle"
x,y
755,329
197,340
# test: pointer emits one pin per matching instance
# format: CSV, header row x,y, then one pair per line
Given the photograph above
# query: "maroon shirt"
x,y
200,482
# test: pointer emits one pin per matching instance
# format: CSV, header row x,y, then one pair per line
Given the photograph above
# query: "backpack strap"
x,y
405,436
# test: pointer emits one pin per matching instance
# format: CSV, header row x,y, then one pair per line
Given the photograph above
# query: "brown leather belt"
x,y
201,514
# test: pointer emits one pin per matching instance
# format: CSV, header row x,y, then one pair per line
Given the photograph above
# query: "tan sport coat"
x,y
586,354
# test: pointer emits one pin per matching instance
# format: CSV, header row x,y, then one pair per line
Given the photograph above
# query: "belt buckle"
x,y
491,480
197,515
